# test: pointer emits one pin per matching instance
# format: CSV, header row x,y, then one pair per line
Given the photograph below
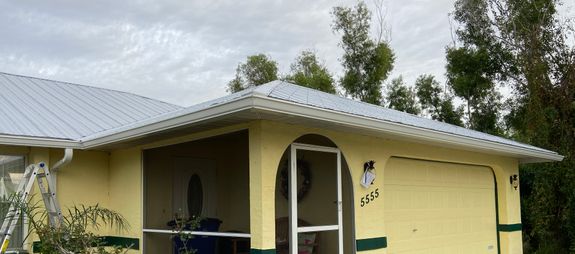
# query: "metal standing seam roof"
x,y
302,95
35,107
288,92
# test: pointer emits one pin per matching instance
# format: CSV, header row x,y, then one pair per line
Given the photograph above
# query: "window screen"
x,y
11,173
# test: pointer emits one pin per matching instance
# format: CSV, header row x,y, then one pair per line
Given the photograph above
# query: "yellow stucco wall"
x,y
268,140
113,179
125,186
85,180
110,180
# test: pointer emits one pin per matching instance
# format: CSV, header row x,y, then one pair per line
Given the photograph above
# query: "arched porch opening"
x,y
317,188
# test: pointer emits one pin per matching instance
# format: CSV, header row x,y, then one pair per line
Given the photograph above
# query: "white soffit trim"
x,y
290,108
264,103
128,133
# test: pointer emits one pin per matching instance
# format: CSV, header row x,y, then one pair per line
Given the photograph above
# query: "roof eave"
x,y
38,142
167,124
264,103
279,106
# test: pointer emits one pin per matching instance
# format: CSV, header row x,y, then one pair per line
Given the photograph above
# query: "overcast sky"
x,y
185,51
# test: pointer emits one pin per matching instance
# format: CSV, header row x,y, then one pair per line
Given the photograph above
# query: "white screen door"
x,y
334,209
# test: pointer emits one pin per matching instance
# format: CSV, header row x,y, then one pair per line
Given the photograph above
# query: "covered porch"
x,y
244,196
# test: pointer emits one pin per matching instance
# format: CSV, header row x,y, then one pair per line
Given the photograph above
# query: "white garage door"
x,y
435,207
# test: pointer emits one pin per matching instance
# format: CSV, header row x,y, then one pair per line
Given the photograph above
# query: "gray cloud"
x,y
184,52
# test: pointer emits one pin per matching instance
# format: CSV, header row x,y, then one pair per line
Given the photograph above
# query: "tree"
x,y
437,102
257,70
307,71
402,98
470,74
531,52
366,62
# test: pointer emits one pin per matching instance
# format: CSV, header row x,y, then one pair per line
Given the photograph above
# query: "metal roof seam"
x,y
55,104
26,112
40,107
87,86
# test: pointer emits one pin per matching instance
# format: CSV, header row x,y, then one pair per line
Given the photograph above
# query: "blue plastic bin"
x,y
202,244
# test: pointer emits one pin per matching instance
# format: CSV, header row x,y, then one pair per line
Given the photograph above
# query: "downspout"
x,y
68,154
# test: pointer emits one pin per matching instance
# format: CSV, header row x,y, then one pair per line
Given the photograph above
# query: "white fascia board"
x,y
264,103
290,108
38,142
169,123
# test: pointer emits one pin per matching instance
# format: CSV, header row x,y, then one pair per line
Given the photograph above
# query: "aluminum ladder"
x,y
34,172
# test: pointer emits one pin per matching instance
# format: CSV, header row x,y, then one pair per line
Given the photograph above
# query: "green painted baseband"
x,y
510,227
269,251
132,243
371,243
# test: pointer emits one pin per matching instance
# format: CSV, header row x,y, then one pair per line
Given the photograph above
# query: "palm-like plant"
x,y
75,234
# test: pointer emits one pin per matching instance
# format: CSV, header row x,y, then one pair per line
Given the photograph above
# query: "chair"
x,y
282,237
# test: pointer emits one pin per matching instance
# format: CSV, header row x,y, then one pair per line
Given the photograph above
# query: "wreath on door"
x,y
303,171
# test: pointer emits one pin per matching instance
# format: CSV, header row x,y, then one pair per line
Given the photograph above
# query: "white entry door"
x,y
195,191
336,205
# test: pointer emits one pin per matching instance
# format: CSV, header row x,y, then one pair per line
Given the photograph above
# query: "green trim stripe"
x,y
509,227
371,243
133,243
269,251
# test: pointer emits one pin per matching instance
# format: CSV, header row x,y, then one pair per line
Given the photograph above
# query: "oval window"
x,y
195,196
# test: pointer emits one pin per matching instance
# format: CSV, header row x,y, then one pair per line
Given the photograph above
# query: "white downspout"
x,y
68,154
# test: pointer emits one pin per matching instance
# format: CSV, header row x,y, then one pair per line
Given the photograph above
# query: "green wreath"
x,y
303,170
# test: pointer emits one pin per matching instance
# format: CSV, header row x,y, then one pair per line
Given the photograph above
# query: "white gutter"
x,y
264,103
267,104
38,142
206,114
281,106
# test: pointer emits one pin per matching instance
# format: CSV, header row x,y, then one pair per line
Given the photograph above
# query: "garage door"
x,y
436,207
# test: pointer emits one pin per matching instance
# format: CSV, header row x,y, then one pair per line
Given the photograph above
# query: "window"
x,y
195,196
11,173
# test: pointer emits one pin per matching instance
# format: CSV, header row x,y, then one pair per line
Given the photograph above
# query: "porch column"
x,y
509,210
263,167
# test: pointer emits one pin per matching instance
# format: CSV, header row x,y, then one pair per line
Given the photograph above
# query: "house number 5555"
x,y
369,197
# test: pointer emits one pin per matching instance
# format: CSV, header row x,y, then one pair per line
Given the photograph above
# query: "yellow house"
x,y
278,168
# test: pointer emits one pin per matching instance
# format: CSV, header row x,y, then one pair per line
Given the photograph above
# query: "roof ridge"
x,y
88,86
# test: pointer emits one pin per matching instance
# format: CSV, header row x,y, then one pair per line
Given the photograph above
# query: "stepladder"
x,y
39,173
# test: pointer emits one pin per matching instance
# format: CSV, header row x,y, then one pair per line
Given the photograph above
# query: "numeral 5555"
x,y
369,197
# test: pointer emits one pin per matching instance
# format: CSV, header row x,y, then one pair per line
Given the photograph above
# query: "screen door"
x,y
327,202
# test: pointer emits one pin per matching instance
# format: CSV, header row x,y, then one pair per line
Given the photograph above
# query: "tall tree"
x,y
402,98
437,102
534,56
307,71
257,70
471,74
367,62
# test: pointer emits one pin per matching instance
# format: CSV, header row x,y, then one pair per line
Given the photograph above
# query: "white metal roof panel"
x,y
36,107
90,117
288,92
306,96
